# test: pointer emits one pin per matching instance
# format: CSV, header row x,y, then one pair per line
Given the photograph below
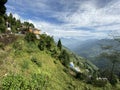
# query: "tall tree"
x,y
59,45
2,12
2,7
112,53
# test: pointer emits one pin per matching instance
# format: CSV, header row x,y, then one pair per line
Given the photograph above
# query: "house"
x,y
77,69
71,64
8,27
35,31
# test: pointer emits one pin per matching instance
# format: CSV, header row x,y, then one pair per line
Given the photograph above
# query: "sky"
x,y
78,19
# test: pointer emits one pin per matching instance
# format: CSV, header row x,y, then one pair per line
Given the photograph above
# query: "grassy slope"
x,y
19,62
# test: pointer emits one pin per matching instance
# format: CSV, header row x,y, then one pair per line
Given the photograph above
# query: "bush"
x,y
64,58
17,45
39,82
113,80
18,82
30,37
80,76
1,45
99,83
41,45
25,65
14,82
34,60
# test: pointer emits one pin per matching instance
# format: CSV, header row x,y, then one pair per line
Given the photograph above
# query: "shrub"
x,y
80,76
25,65
99,83
17,45
18,82
1,45
34,60
113,80
14,82
46,42
39,82
30,37
64,58
41,45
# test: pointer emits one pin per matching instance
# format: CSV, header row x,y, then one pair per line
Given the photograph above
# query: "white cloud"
x,y
74,14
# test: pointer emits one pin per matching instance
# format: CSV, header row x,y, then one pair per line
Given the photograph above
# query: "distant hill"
x,y
91,49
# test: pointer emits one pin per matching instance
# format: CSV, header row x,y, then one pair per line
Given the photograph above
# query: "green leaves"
x,y
2,7
14,82
2,2
64,57
30,37
46,42
18,82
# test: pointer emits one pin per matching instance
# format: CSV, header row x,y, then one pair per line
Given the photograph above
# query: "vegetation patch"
x,y
36,61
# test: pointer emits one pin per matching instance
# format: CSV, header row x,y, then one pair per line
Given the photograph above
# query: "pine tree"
x,y
2,12
59,45
2,7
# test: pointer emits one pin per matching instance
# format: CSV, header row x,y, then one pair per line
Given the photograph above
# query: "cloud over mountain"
x,y
70,18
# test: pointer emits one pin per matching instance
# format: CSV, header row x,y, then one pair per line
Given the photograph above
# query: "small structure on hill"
x,y
35,31
72,66
8,27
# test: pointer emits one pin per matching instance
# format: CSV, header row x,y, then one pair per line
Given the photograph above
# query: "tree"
x,y
114,58
64,57
2,25
41,45
112,53
2,7
30,37
2,2
59,45
2,12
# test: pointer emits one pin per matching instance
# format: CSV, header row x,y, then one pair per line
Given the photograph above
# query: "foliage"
x,y
30,37
17,45
99,83
2,25
64,58
25,65
107,73
2,2
39,82
46,42
114,58
49,42
28,25
18,82
2,7
59,45
80,76
113,81
1,45
41,44
55,53
14,82
35,60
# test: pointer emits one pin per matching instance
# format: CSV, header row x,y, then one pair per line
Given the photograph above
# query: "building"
x,y
35,31
8,27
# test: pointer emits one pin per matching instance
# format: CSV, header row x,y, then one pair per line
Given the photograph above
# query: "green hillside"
x,y
24,67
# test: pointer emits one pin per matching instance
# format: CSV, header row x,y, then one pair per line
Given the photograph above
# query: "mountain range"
x,y
91,50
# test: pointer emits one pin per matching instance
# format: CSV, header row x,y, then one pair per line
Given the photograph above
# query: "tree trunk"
x,y
111,75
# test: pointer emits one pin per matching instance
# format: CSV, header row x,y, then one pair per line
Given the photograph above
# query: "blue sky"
x,y
80,19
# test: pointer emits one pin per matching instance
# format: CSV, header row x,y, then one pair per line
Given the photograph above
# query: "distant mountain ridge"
x,y
91,49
